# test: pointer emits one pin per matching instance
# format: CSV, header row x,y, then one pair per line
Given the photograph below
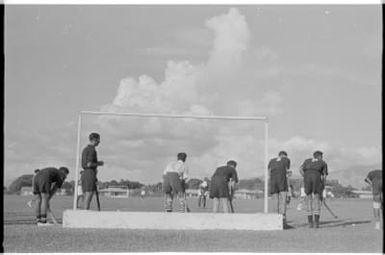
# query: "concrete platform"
x,y
175,220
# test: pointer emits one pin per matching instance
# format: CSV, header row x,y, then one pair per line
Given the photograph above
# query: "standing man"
x,y
89,164
174,178
203,191
374,178
46,182
222,182
314,170
278,169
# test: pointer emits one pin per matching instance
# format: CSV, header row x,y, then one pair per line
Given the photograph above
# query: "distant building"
x,y
247,194
365,194
26,191
192,192
116,192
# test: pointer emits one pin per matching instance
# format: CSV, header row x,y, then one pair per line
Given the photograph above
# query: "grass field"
x,y
353,231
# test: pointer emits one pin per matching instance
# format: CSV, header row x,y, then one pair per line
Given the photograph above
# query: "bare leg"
x,y
216,205
275,198
309,207
168,197
283,204
44,207
38,207
225,204
87,199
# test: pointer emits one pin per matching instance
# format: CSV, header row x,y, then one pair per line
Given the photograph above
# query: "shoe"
x,y
29,204
46,224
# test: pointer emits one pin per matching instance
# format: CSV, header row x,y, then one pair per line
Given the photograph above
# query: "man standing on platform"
x,y
89,164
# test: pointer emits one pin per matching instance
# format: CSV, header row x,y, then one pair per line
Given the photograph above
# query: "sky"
x,y
313,70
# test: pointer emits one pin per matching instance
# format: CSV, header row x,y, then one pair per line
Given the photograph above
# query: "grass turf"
x,y
335,235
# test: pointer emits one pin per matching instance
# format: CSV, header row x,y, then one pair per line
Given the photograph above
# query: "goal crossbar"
x,y
173,116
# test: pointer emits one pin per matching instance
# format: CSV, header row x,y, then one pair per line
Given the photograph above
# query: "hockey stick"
x,y
323,199
97,196
52,216
231,198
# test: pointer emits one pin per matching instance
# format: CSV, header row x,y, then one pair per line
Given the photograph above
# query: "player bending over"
x,y
314,170
278,169
374,178
174,180
222,183
46,182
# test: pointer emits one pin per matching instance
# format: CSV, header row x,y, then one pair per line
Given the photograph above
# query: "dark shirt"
x,y
375,175
51,175
89,158
227,172
316,166
279,167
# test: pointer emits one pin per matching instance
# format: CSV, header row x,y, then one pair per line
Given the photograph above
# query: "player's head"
x,y
318,154
36,171
282,154
181,156
64,171
94,138
231,163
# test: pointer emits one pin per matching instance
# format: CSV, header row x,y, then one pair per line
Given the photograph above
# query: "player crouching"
x,y
46,182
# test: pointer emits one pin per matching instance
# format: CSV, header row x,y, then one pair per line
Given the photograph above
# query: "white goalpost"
x,y
263,119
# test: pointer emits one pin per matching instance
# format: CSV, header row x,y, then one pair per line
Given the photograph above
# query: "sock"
x,y
43,218
38,218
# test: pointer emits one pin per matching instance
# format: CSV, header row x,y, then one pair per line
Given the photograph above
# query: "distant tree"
x,y
22,181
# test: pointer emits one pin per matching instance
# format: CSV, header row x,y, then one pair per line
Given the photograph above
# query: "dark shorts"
x,y
312,183
278,183
219,187
173,184
41,186
377,187
88,180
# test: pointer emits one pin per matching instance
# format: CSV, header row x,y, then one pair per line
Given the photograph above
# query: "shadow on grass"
x,y
340,223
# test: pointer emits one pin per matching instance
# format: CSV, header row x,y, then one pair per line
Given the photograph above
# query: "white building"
x,y
26,191
365,194
116,192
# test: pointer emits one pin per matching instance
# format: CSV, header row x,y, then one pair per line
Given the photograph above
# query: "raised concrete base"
x,y
163,220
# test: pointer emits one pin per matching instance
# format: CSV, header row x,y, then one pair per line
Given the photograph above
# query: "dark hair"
x,y
64,169
231,163
36,171
317,153
94,136
284,153
182,156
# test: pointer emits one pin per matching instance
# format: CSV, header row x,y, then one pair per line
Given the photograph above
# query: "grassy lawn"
x,y
335,235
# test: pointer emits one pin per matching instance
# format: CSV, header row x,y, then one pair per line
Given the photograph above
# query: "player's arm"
x,y
367,180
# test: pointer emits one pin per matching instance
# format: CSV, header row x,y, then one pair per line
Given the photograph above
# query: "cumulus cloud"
x,y
223,85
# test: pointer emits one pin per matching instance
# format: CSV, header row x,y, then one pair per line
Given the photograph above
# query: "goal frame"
x,y
264,119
